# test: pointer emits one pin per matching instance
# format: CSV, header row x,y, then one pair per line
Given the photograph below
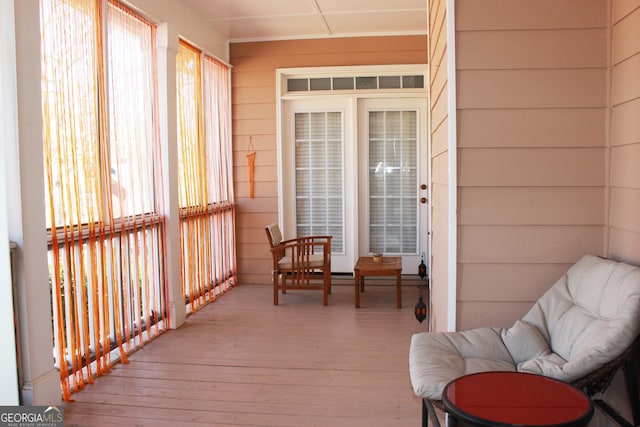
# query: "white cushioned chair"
x,y
580,331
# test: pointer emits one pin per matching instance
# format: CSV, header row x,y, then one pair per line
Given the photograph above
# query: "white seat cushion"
x,y
437,358
315,261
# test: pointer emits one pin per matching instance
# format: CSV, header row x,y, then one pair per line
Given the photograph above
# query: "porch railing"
x,y
109,295
208,253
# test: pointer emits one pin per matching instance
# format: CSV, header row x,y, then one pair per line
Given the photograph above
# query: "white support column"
x,y
27,227
452,227
168,40
9,393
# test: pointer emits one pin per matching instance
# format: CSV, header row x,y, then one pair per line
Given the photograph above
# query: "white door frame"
x,y
350,98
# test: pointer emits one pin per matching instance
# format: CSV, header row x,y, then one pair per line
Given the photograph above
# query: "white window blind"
x,y
319,172
393,182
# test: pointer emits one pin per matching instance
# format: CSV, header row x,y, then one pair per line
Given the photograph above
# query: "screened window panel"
x,y
191,150
217,130
132,124
393,182
72,141
319,175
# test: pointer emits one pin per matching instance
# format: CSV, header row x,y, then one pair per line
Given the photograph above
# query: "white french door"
x,y
352,168
317,187
393,179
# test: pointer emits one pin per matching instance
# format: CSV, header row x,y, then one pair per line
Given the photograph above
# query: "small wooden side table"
x,y
388,266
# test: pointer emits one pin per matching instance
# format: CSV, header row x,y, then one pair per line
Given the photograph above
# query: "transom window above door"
x,y
305,84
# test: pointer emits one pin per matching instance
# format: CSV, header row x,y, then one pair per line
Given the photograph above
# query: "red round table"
x,y
515,398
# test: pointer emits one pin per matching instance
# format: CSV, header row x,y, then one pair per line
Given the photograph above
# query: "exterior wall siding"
x,y
532,107
254,114
624,173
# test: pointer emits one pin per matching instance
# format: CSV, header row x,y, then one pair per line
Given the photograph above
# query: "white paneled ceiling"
x,y
250,20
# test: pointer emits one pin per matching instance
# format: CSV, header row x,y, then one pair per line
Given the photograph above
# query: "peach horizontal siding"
x,y
624,173
516,282
254,115
526,167
540,15
530,206
513,128
533,50
532,101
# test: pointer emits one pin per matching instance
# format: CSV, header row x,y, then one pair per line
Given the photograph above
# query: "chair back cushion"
x,y
588,317
276,235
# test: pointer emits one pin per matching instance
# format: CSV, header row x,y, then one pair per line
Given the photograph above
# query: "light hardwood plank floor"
x,y
242,361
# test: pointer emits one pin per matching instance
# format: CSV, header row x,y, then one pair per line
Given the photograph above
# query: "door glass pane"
x,y
393,182
319,172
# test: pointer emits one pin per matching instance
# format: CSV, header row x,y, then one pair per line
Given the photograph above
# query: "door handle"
x,y
423,200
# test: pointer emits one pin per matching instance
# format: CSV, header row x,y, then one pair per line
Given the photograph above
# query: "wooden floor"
x,y
242,361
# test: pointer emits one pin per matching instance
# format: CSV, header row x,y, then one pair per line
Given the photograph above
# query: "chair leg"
x,y
326,288
425,414
632,388
428,411
275,287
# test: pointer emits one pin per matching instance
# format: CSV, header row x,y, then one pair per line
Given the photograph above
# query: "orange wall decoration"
x,y
251,166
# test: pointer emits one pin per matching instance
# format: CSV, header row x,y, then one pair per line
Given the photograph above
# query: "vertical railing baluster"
x,y
68,300
55,291
79,302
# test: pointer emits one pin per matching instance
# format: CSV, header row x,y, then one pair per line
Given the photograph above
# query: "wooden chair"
x,y
300,263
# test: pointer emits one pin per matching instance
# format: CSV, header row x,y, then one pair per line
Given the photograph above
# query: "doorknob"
x,y
423,200
423,186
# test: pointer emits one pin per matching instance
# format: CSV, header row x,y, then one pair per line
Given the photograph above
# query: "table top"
x,y
387,263
516,398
